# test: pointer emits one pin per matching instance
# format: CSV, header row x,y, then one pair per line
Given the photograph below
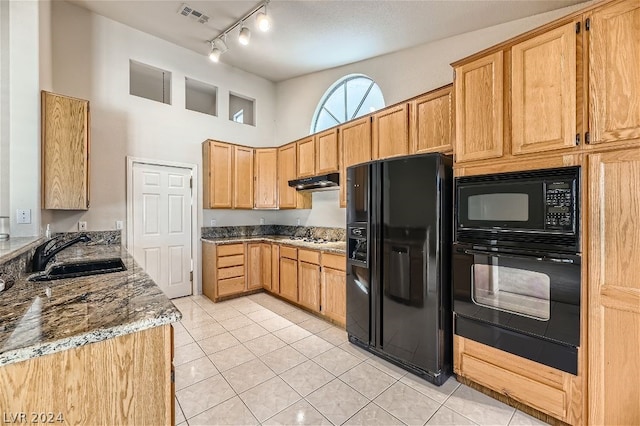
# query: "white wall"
x,y
24,114
91,61
4,108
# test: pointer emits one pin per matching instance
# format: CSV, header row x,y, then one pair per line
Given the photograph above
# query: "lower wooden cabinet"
x,y
288,275
309,279
223,270
546,389
125,380
333,288
275,269
258,266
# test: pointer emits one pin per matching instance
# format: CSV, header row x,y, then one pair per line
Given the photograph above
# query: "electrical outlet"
x,y
23,216
262,221
119,224
213,222
82,225
298,221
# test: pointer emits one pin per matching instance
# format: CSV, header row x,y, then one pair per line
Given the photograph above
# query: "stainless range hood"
x,y
317,183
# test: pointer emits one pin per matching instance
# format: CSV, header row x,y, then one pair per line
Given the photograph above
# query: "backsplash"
x,y
97,237
329,234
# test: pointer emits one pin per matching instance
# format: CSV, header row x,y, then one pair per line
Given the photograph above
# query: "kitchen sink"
x,y
81,269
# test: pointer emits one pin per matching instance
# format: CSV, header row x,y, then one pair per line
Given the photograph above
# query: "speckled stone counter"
x,y
39,318
336,247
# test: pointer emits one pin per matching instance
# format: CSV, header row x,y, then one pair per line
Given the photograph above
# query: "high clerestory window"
x,y
350,97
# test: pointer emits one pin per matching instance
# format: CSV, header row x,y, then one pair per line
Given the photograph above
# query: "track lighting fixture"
x,y
263,22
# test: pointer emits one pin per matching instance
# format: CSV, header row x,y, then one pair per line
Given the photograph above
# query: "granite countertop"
x,y
39,318
336,247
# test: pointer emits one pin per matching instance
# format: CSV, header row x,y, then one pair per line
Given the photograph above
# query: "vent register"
x,y
189,12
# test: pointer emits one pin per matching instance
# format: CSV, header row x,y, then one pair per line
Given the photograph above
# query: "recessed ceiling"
x,y
309,36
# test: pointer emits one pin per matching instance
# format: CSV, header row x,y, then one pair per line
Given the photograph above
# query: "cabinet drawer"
x,y
309,256
225,262
230,249
289,252
334,261
230,286
231,272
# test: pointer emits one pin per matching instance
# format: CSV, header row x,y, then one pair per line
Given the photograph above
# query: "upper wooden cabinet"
x,y
391,132
243,177
318,154
306,157
228,175
65,152
327,158
217,171
288,197
355,147
614,72
266,178
479,108
543,91
431,122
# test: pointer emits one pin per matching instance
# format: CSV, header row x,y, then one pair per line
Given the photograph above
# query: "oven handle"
x,y
520,256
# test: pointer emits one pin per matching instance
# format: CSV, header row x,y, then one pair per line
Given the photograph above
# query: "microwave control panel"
x,y
560,205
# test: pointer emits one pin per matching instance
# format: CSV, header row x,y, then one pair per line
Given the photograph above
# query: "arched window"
x,y
350,97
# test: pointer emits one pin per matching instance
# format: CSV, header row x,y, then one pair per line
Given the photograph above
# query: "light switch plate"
x,y
23,216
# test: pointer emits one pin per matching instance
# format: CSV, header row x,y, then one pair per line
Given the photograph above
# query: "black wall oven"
x,y
516,264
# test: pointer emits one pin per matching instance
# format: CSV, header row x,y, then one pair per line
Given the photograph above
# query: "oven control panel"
x,y
560,205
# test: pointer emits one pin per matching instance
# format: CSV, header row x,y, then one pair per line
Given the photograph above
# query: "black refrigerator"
x,y
398,262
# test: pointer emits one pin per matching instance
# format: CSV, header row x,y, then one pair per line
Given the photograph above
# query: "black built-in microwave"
x,y
531,209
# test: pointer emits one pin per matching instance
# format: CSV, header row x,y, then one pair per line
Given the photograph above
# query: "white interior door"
x,y
161,216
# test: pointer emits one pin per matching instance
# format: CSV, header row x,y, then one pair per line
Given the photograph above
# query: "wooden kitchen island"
x,y
94,350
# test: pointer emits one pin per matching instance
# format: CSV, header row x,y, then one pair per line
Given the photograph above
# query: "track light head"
x,y
245,36
263,21
215,54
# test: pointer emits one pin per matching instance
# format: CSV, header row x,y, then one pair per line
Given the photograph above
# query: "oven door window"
x,y
517,291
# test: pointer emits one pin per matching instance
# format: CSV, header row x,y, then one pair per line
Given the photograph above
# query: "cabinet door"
x,y
355,146
306,157
543,92
275,268
265,262
614,287
243,178
289,278
65,152
217,174
209,270
614,73
334,294
479,109
254,266
266,178
431,122
309,285
391,132
327,152
287,170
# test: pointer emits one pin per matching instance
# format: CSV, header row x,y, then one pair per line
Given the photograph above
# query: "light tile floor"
x,y
259,360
